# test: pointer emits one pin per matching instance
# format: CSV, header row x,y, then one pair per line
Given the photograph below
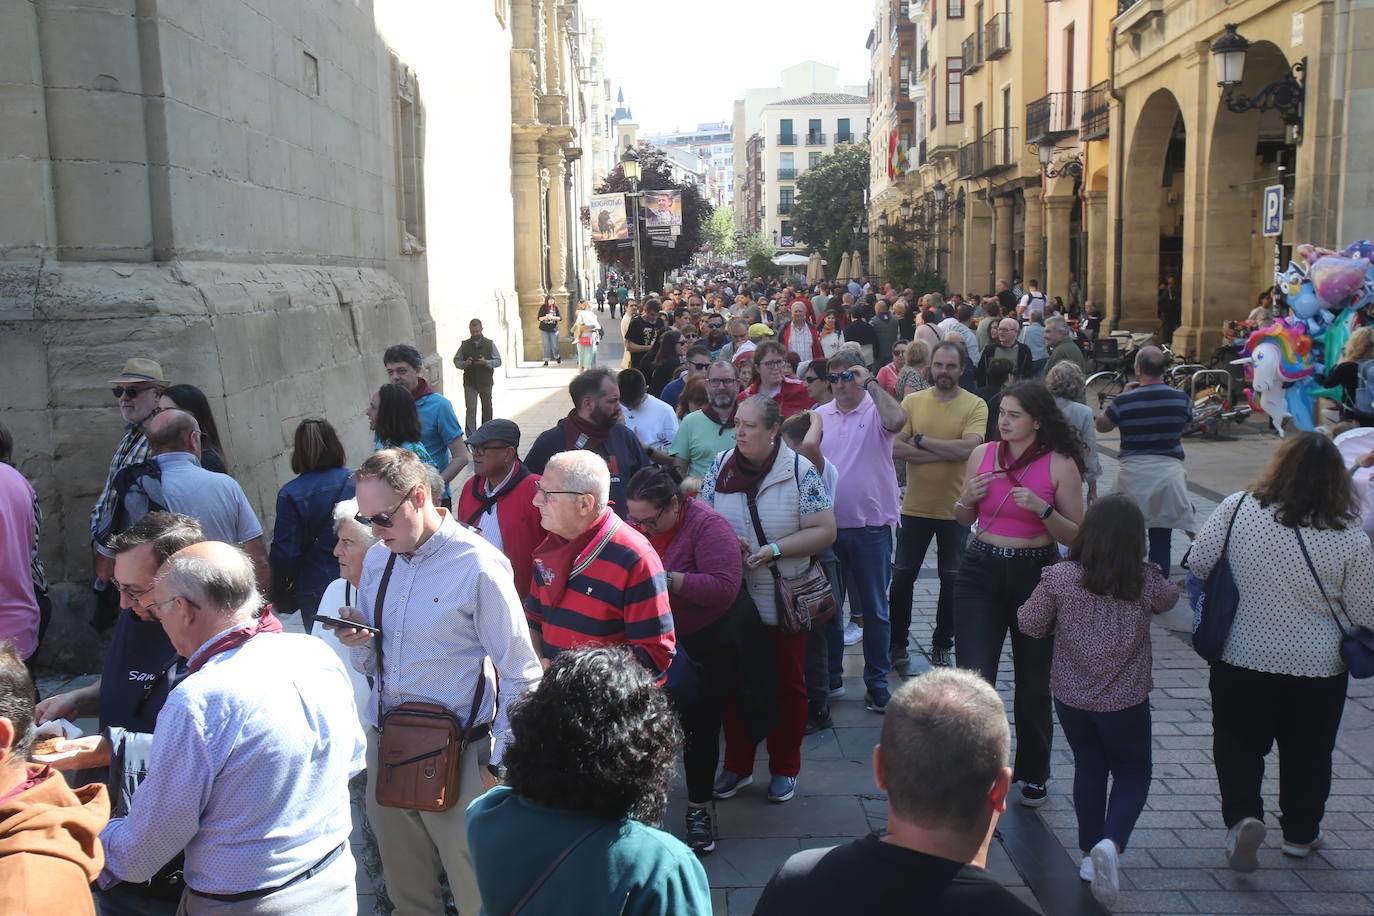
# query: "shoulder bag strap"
x,y
758,530
1226,542
377,622
553,867
1322,588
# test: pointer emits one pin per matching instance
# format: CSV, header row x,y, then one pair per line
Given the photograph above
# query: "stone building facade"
x,y
234,189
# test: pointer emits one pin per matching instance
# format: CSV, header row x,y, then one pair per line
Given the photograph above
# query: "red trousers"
x,y
784,744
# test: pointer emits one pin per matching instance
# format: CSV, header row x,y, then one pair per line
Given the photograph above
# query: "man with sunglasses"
x,y
136,390
498,503
695,365
449,603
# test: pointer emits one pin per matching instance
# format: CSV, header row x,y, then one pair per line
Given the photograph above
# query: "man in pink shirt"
x,y
18,605
860,424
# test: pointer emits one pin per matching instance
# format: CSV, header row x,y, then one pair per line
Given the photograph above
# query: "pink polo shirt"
x,y
18,607
861,450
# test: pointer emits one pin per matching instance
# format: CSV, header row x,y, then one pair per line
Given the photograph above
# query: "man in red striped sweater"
x,y
597,581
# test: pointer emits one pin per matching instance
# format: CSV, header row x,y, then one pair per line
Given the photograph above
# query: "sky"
x,y
685,64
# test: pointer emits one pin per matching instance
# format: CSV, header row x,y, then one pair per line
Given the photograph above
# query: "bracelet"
x,y
668,580
869,382
777,551
961,505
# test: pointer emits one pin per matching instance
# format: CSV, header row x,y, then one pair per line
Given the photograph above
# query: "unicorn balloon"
x,y
1276,355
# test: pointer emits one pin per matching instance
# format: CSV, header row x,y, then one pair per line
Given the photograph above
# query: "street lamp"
x,y
905,210
630,167
939,192
1284,95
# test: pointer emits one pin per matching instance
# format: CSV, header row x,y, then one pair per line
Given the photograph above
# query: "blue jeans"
x,y
825,643
865,554
550,339
1161,540
913,540
1108,742
124,900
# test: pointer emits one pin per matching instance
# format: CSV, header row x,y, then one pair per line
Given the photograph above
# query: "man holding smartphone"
x,y
449,603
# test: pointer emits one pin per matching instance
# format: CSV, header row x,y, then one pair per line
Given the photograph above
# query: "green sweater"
x,y
625,867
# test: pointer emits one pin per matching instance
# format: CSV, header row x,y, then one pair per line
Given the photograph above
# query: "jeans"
x,y
987,595
913,540
1038,367
784,744
865,554
1161,541
1108,742
1251,710
550,338
124,900
471,395
825,643
715,649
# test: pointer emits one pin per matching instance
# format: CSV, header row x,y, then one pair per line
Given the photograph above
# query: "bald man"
x,y
1005,346
251,758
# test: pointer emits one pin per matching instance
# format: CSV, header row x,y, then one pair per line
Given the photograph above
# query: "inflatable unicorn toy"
x,y
1274,356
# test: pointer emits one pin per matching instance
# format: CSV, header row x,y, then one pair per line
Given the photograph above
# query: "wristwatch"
x,y
777,551
917,441
1049,510
668,580
870,381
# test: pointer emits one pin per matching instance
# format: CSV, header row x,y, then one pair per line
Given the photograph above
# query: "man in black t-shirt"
x,y
942,760
640,335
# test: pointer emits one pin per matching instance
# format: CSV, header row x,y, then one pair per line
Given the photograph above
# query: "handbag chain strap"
x,y
1330,606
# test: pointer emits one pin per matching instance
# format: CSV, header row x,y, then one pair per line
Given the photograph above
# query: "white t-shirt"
x,y
653,421
330,602
587,318
1034,302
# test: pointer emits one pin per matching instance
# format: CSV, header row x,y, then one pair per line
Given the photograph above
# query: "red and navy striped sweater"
x,y
616,595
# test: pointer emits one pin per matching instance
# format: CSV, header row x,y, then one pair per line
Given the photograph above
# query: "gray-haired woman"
x,y
1066,382
354,541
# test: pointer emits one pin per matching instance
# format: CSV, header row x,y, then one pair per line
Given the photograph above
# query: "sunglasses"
x,y
837,377
715,327
130,391
381,519
812,379
701,367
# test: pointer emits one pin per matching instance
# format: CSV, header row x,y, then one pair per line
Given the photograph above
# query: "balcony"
x,y
787,139
1095,108
815,139
1134,15
844,137
997,36
1052,116
787,174
991,153
973,53
784,209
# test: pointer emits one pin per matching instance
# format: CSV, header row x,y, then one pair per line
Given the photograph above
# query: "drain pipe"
x,y
1118,225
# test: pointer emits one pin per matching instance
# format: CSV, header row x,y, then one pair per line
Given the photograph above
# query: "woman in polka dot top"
x,y
1280,677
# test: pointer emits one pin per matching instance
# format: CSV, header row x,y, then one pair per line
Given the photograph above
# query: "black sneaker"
x,y
700,837
876,702
940,657
1033,795
819,722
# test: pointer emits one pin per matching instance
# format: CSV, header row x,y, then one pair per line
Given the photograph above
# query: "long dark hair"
x,y
192,400
1110,547
1307,481
1055,433
397,422
666,354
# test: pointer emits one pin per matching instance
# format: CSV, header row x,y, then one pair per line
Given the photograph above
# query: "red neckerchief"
x,y
740,475
422,388
555,557
727,423
575,429
267,623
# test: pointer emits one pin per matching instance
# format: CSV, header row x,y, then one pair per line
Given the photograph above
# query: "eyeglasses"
x,y
157,604
136,596
547,493
774,363
721,382
646,522
381,519
701,367
129,391
837,377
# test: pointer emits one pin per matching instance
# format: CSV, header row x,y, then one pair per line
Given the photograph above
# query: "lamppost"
x,y
630,167
1284,95
1071,166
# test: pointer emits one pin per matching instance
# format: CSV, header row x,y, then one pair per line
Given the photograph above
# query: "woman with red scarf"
x,y
770,379
761,478
1027,494
702,567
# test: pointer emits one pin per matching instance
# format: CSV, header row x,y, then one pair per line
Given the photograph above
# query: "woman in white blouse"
x,y
1280,677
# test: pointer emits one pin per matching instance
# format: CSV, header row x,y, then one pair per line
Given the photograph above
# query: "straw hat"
x,y
140,370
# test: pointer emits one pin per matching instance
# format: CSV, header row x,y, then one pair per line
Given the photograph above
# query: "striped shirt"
x,y
617,597
448,605
1151,419
132,449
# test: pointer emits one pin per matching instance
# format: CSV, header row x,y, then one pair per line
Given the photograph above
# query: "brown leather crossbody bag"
x,y
421,746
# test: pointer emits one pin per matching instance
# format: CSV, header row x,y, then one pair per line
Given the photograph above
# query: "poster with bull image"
x,y
608,218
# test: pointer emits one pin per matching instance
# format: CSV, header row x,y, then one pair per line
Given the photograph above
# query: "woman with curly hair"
x,y
587,771
1026,493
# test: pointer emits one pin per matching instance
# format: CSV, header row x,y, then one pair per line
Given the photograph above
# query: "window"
x,y
786,161
813,160
842,134
410,145
954,90
785,127
786,228
954,9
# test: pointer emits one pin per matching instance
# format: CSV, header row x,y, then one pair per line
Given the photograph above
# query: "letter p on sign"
x,y
1272,221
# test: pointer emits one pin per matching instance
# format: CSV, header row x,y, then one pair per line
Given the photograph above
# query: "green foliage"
x,y
758,243
830,199
718,232
696,212
904,270
761,265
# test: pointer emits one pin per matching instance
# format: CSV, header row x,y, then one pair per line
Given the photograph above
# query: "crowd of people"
x,y
516,660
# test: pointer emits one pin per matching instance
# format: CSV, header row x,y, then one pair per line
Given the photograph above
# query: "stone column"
x,y
551,159
977,246
1098,245
1056,279
1032,264
1005,266
529,286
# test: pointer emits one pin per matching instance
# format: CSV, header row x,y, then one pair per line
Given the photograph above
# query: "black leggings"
x,y
715,649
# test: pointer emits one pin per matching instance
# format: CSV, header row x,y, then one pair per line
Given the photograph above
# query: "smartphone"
x,y
340,622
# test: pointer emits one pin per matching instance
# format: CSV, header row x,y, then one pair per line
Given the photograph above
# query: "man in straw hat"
x,y
136,389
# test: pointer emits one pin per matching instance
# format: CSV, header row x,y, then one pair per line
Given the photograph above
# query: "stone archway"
x,y
1153,178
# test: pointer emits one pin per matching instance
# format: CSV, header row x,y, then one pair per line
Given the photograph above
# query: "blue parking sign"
x,y
1272,219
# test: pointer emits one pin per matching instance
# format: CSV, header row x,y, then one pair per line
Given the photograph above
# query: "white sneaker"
x,y
853,634
1085,869
1106,879
1242,844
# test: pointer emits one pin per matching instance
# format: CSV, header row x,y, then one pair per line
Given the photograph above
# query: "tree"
x,y
761,265
718,232
911,249
758,243
830,202
657,261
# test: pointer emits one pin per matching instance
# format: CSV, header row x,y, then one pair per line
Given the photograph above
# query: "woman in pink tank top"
x,y
1026,494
